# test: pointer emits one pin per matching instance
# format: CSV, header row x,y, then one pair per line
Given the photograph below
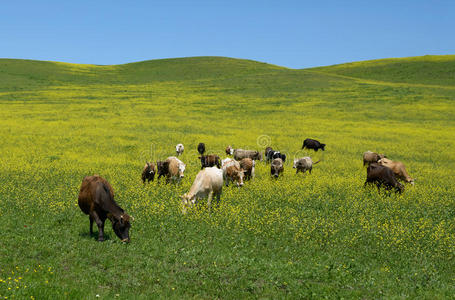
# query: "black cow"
x,y
312,144
148,173
162,168
382,176
271,155
201,148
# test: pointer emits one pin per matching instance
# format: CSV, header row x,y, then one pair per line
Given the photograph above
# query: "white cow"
x,y
208,183
179,149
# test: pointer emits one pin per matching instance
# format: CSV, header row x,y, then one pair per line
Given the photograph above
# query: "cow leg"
x,y
91,225
218,196
310,170
100,224
209,200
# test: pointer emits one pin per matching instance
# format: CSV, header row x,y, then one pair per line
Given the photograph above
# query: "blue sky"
x,y
295,34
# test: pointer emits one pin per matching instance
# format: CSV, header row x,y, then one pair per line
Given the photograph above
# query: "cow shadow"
x,y
94,236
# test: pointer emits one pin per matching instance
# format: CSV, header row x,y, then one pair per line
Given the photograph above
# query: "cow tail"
x,y
317,162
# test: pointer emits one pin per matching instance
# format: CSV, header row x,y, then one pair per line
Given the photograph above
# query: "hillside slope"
x,y
433,70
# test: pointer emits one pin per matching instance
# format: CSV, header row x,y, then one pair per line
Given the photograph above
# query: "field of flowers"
x,y
301,236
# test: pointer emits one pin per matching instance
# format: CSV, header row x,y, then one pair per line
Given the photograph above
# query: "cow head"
x,y
283,157
121,226
258,156
237,176
182,167
229,150
322,146
296,160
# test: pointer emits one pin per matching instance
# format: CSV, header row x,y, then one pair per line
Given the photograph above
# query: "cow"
x,y
175,169
240,153
229,150
304,164
96,199
382,176
271,155
208,183
201,148
162,168
232,172
148,173
266,154
179,149
276,168
210,161
313,144
371,157
247,165
398,169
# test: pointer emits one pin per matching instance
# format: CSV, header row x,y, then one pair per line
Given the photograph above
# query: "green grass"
x,y
312,236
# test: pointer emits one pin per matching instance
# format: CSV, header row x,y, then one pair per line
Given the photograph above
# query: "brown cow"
x,y
382,176
232,172
210,161
247,164
371,157
148,173
276,168
96,199
398,169
240,153
175,169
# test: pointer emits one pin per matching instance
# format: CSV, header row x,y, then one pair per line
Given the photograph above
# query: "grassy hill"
x,y
429,69
301,236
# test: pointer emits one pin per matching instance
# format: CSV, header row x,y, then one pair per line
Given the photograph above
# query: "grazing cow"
x,y
148,173
232,172
96,199
271,155
304,164
382,176
312,144
247,165
210,161
179,149
162,168
201,148
276,168
266,154
229,150
240,153
208,183
398,169
371,157
175,169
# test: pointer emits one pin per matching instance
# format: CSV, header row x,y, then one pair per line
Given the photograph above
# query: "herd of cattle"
x,y
96,196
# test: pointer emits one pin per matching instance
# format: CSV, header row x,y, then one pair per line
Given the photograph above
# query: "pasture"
x,y
301,236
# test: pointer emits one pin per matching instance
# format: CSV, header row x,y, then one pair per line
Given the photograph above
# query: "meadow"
x,y
302,236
